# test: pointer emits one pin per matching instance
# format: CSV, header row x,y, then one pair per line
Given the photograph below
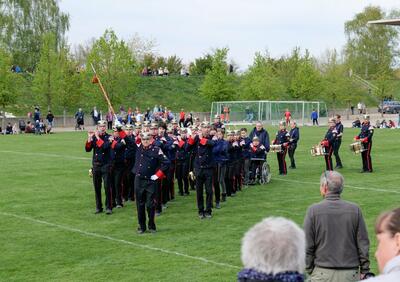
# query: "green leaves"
x,y
218,85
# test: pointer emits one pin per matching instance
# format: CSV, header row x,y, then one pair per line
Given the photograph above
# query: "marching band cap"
x,y
366,117
129,126
101,122
170,130
146,123
145,136
174,121
153,125
183,131
138,125
229,132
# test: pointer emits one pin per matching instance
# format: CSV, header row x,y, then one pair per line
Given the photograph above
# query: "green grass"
x,y
46,196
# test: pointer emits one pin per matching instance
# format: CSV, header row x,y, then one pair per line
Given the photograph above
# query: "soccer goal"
x,y
269,112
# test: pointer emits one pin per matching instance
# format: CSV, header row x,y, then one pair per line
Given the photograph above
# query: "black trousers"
x,y
216,188
101,174
182,175
230,177
204,182
366,156
336,148
117,173
292,150
238,176
128,186
281,161
254,164
328,158
145,200
315,121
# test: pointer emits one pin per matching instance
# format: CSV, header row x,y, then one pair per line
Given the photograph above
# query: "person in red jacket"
x,y
182,118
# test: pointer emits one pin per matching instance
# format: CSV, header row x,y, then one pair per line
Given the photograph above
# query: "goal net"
x,y
269,112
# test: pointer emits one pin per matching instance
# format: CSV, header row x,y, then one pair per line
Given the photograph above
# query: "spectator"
x,y
36,114
377,124
109,119
80,118
288,116
336,235
314,117
9,129
352,109
359,108
160,71
29,127
22,125
182,118
95,115
188,121
249,114
262,135
357,123
387,230
147,114
226,110
50,119
37,128
166,71
273,250
391,124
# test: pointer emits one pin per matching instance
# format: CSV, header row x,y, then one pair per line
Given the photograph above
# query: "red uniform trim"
x,y
357,137
99,143
203,141
138,140
88,145
160,174
122,134
181,143
113,144
190,140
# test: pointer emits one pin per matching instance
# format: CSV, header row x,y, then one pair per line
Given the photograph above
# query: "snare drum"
x,y
318,150
357,147
275,148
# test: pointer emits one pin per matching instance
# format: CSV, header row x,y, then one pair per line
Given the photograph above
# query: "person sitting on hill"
x,y
356,123
29,127
9,129
391,124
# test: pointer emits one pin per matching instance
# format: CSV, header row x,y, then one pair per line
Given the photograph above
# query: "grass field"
x,y
49,231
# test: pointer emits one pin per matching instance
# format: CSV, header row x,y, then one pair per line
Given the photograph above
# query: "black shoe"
x,y
292,167
187,193
140,231
120,206
339,166
217,206
201,215
233,194
208,215
158,213
98,211
223,198
108,211
152,230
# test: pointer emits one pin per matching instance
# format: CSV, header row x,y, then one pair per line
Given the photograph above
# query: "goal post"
x,y
269,112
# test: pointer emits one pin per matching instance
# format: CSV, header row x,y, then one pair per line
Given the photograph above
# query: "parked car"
x,y
389,107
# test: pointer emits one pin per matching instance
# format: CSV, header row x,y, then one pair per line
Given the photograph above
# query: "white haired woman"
x,y
387,231
273,250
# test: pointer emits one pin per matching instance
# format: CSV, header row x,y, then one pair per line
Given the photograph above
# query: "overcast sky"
x,y
191,28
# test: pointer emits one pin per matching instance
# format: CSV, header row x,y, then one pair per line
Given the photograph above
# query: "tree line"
x,y
50,74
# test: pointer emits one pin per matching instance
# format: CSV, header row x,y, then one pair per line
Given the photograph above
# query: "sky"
x,y
192,28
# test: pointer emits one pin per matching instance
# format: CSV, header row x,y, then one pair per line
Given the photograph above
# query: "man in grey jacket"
x,y
336,235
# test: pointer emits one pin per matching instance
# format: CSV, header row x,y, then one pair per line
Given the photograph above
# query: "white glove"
x,y
154,177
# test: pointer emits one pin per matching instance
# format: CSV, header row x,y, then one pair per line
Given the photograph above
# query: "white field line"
x,y
46,155
140,246
346,185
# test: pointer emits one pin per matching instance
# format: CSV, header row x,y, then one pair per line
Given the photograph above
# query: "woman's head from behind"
x,y
387,231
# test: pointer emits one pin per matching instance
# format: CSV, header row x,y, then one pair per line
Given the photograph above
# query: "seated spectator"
x,y
29,127
9,129
160,71
387,230
384,124
378,124
22,125
37,127
42,126
273,250
166,71
15,129
391,124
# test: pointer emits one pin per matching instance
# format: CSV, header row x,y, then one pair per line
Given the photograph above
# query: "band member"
x,y
238,162
233,148
338,141
245,144
203,166
282,138
99,142
220,152
365,136
328,143
130,153
118,147
294,136
150,165
170,152
182,163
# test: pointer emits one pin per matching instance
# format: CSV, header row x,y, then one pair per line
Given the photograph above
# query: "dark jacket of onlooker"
x,y
262,135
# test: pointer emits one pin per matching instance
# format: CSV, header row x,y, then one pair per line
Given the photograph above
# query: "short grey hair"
x,y
274,245
333,180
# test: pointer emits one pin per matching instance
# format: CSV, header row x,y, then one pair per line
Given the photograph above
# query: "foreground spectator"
x,y
273,250
337,239
9,129
387,231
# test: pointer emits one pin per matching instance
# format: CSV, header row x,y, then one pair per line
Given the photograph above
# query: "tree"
x,y
201,65
370,48
218,85
115,65
306,83
23,24
174,64
9,82
260,82
385,89
47,78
